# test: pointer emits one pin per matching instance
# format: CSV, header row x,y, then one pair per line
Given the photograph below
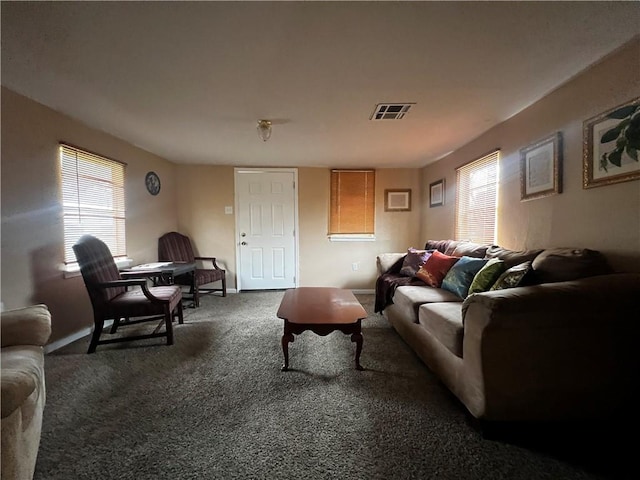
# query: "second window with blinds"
x,y
353,205
477,200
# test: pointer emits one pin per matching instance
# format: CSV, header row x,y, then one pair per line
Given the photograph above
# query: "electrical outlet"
x,y
354,266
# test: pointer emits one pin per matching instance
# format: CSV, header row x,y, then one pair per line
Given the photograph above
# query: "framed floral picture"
x,y
541,168
611,144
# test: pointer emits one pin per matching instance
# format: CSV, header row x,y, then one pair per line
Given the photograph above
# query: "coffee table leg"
x,y
357,337
286,338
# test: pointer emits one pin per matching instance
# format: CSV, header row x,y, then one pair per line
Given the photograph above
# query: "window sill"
x,y
73,270
343,237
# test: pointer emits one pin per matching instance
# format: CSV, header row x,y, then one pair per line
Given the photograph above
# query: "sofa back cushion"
x,y
511,257
435,268
469,249
439,245
566,264
458,279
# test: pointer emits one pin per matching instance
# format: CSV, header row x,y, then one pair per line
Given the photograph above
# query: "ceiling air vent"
x,y
390,111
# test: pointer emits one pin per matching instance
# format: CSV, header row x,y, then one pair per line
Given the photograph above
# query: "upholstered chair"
x,y
175,247
113,297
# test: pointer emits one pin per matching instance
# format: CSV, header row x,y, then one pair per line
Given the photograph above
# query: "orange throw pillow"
x,y
435,268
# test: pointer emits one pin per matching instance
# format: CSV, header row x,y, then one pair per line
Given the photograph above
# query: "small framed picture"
x,y
436,193
611,146
397,200
541,168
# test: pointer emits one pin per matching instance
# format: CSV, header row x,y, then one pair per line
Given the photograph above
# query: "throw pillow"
x,y
435,268
487,276
458,279
412,261
513,277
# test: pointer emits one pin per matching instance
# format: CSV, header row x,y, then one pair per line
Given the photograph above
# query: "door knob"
x,y
243,243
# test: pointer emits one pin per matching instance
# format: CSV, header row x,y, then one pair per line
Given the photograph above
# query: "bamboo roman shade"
x,y
477,200
92,200
352,202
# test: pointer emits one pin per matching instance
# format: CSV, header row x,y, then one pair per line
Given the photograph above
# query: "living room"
x,y
194,194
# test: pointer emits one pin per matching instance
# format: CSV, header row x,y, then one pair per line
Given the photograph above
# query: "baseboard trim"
x,y
63,342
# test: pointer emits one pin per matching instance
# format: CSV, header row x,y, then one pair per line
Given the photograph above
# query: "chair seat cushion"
x,y
204,276
134,303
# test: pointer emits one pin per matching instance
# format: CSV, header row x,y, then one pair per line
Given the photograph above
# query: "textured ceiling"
x,y
189,80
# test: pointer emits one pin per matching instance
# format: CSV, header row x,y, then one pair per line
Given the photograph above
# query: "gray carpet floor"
x,y
215,405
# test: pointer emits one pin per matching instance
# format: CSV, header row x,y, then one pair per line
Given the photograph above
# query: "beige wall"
x,y
32,233
325,263
206,190
605,218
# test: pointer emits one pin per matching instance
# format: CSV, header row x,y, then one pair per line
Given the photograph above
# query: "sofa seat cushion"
x,y
444,322
409,299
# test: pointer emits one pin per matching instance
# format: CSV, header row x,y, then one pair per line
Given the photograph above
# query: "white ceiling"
x,y
189,80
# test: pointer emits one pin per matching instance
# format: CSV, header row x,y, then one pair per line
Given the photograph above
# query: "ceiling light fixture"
x,y
264,129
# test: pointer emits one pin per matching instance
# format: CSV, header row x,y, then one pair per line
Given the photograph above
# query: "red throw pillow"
x,y
435,268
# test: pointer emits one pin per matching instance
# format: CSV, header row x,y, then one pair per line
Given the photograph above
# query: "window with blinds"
x,y
352,203
477,200
92,200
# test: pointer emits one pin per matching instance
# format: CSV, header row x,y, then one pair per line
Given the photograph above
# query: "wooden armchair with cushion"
x,y
112,300
175,247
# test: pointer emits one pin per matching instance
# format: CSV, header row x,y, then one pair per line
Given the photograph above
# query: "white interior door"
x,y
266,211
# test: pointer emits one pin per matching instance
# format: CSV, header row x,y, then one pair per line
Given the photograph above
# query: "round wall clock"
x,y
153,183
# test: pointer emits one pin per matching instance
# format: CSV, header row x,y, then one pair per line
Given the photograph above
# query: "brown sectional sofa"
x,y
562,347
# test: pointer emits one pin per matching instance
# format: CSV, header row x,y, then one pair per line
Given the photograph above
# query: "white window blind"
x,y
352,202
477,200
92,200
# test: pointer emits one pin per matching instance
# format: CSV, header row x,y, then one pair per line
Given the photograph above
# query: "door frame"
x,y
296,237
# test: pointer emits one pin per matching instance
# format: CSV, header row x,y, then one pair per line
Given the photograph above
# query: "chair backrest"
x,y
175,247
97,266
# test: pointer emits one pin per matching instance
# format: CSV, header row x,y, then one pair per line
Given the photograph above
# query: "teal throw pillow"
x,y
487,276
458,279
513,277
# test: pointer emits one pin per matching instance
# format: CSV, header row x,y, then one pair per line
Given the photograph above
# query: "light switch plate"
x,y
228,210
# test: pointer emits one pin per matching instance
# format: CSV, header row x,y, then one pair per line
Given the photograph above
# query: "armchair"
x,y
24,332
175,247
111,298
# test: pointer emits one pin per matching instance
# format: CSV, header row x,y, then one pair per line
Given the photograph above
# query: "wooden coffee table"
x,y
321,310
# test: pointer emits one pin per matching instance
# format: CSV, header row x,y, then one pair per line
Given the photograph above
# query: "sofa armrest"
x,y
16,386
25,326
538,352
385,261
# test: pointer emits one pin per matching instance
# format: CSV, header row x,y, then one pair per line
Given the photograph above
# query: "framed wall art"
x,y
541,168
436,193
611,144
397,200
